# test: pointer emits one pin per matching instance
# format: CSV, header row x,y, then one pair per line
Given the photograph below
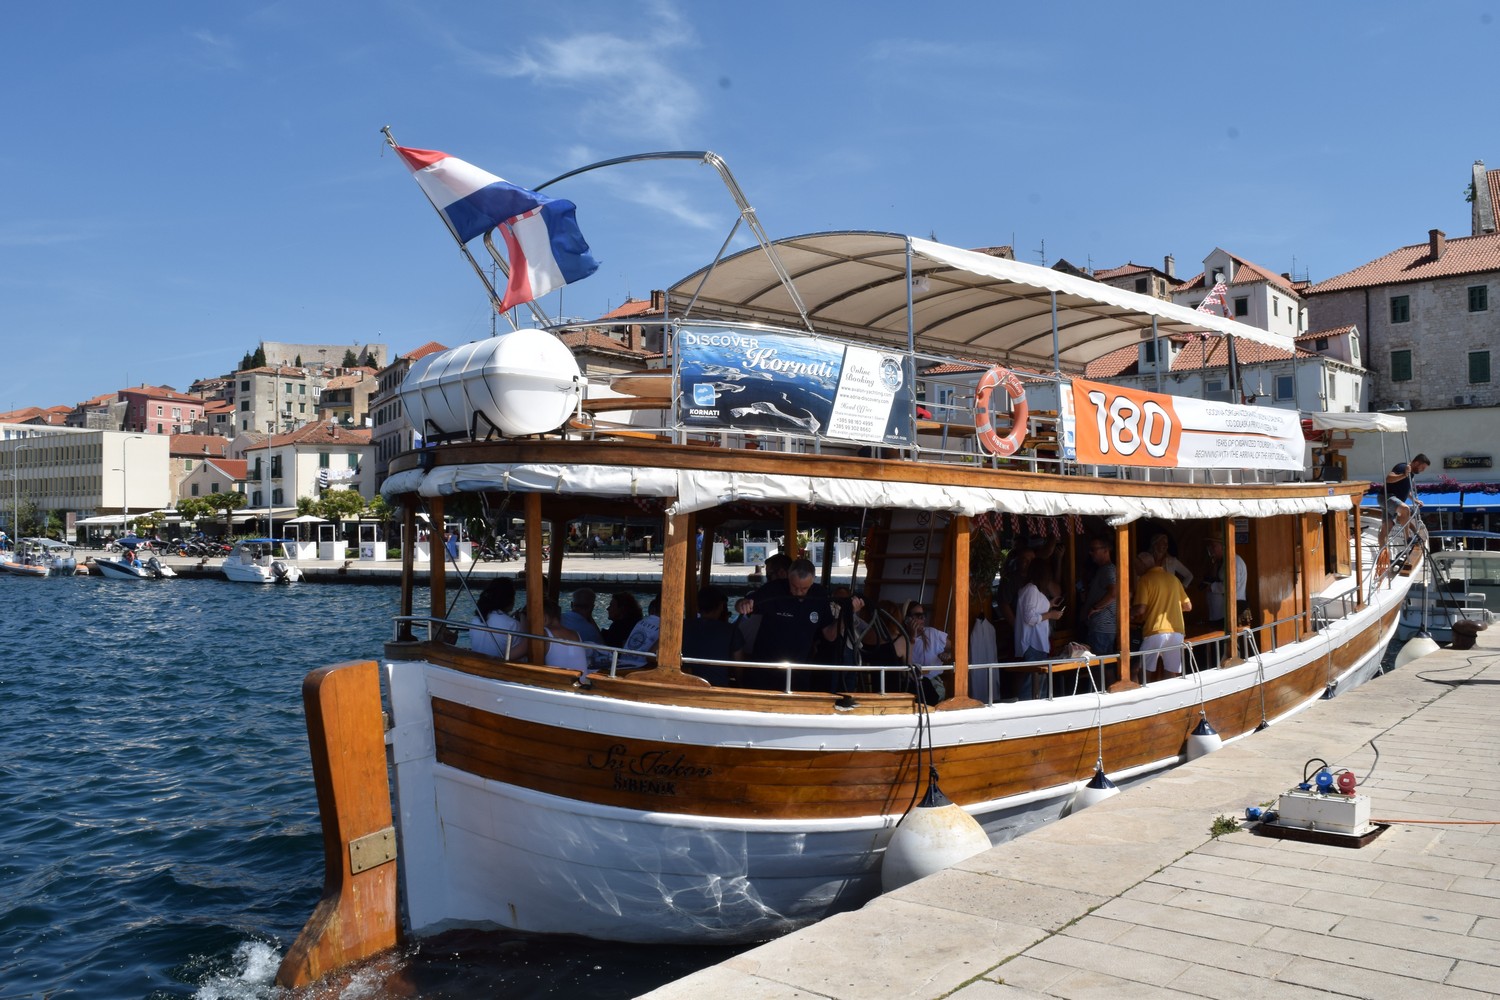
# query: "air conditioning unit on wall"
x,y
1464,399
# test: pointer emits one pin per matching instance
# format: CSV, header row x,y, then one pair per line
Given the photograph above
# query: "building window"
x,y
244,405
1275,306
302,390
244,385
212,487
1400,308
1321,344
276,496
158,411
1479,367
1479,298
1401,365
1140,285
195,489
187,466
322,459
276,467
1148,352
1242,306
1285,387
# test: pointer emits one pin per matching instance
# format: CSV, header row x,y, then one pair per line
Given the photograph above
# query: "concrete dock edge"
x,y
1136,898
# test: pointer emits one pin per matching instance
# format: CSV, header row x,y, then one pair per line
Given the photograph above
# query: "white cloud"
x,y
629,83
216,51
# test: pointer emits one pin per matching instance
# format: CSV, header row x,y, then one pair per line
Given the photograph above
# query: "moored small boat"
x,y
260,560
132,567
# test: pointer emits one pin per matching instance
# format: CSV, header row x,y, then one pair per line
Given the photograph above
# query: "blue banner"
x,y
788,383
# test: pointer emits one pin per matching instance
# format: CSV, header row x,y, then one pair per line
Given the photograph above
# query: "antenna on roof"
x,y
1042,253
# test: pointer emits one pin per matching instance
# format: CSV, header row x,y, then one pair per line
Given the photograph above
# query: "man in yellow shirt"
x,y
1159,602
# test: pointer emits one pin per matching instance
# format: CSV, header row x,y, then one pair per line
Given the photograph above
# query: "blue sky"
x,y
185,179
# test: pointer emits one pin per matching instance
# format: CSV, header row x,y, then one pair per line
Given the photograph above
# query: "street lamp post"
x,y
125,479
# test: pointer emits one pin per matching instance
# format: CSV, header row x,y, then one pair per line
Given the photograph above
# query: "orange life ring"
x,y
984,424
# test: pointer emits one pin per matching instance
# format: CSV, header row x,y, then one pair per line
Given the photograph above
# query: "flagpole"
x,y
495,299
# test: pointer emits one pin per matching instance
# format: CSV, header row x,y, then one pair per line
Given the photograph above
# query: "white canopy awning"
x,y
965,303
1387,422
699,489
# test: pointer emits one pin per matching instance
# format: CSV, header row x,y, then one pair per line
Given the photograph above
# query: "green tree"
x,y
212,505
350,359
28,520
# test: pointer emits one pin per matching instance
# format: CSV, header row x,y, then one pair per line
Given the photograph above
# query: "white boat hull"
x,y
478,851
150,569
279,571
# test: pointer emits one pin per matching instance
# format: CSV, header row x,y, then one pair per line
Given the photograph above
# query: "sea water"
x,y
158,824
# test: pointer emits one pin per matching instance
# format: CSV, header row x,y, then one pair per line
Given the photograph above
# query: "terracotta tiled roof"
x,y
1463,255
22,415
630,308
1123,271
431,347
598,340
1334,331
350,380
217,406
194,445
958,368
1194,353
159,392
1245,273
235,468
103,399
319,432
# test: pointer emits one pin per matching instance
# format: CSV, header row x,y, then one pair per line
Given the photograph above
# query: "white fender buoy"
x,y
1203,740
929,838
1098,789
1416,647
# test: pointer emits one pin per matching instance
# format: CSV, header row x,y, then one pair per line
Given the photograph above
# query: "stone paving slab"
x,y
1135,898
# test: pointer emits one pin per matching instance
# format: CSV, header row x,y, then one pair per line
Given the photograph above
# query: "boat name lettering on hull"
x,y
651,772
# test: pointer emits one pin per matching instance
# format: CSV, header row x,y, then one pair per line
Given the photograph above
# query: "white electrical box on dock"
x,y
1324,812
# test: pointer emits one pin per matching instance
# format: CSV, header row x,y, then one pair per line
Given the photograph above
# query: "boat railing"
x,y
1050,677
447,630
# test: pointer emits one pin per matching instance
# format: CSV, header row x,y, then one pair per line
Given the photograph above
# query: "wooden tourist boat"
x,y
653,806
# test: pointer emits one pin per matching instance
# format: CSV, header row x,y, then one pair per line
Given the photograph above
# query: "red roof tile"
x,y
235,468
1464,255
198,444
431,347
319,432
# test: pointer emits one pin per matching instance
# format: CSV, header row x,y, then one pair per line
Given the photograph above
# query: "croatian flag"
x,y
547,250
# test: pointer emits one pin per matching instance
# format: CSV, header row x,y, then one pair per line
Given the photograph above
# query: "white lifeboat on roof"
x,y
519,383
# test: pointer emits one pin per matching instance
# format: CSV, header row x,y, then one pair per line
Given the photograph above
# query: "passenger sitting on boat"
x,y
563,654
624,612
1161,545
1037,608
644,637
929,653
580,618
711,636
129,558
1159,602
494,604
885,642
